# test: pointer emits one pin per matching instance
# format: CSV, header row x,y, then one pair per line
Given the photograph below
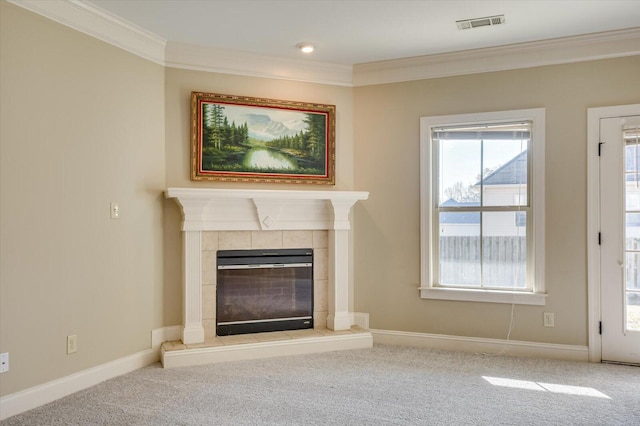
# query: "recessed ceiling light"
x,y
305,47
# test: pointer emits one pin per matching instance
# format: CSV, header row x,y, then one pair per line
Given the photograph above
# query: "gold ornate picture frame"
x,y
243,139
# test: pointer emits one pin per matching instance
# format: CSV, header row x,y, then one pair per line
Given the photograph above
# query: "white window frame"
x,y
535,257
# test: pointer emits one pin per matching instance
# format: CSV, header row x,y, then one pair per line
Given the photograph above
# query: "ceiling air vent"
x,y
467,24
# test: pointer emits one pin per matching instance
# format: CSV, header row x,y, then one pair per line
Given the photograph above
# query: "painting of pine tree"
x,y
264,141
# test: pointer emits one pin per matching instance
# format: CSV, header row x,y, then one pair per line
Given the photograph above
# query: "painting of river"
x,y
243,139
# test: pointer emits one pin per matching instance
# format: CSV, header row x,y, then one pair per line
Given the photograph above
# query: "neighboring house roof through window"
x,y
514,172
459,217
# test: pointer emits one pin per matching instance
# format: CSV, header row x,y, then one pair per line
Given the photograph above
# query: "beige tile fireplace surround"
x,y
227,219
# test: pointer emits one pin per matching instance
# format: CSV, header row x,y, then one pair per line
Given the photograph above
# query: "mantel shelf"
x,y
209,209
215,193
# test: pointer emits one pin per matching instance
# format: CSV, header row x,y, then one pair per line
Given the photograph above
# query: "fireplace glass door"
x,y
264,290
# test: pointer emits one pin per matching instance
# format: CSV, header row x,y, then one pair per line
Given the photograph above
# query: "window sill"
x,y
490,296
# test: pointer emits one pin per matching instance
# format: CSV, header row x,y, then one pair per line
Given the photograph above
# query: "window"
x,y
482,219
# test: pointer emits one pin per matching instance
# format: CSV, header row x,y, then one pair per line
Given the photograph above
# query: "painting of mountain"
x,y
257,142
262,127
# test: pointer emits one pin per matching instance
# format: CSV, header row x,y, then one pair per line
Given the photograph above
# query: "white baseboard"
x,y
361,319
481,345
34,397
165,334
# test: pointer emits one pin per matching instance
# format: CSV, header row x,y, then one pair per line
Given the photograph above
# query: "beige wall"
x,y
387,237
82,125
179,84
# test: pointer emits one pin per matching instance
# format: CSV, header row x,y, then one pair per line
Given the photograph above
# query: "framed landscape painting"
x,y
242,139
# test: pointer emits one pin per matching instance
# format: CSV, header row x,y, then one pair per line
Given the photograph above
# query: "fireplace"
x,y
252,217
215,220
264,290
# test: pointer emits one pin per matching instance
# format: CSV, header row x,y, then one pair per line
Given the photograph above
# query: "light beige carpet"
x,y
385,385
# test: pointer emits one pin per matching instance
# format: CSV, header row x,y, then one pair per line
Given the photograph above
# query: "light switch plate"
x,y
4,362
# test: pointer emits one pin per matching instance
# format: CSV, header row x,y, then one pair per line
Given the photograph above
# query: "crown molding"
x,y
105,26
564,50
200,58
100,24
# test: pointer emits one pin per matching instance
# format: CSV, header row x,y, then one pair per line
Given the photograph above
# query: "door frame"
x,y
594,115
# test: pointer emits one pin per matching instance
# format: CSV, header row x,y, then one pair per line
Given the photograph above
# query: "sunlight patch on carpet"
x,y
545,387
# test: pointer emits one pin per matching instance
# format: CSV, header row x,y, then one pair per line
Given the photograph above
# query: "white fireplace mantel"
x,y
207,209
250,210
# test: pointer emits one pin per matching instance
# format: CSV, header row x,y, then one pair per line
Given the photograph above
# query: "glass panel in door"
x,y
631,136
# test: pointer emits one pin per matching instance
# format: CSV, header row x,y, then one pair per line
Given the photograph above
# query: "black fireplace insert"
x,y
264,290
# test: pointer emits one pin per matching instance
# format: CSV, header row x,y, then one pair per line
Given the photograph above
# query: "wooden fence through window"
x,y
501,263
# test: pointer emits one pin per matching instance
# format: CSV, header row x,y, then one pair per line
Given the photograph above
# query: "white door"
x,y
620,238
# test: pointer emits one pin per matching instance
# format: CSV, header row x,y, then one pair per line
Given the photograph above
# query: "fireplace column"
x,y
339,317
193,331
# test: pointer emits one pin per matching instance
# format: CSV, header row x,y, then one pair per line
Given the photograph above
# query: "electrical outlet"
x,y
548,319
4,362
72,344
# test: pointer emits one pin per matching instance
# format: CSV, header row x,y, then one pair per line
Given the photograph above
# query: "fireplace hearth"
x,y
264,290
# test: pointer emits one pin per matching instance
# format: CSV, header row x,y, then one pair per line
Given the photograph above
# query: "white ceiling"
x,y
361,31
